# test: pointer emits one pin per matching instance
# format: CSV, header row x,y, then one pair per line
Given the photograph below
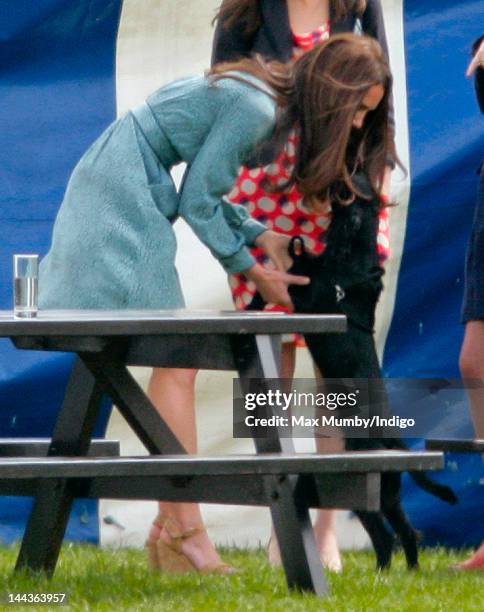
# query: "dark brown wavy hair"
x,y
319,95
248,12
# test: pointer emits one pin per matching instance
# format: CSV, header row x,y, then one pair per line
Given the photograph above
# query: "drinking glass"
x,y
25,285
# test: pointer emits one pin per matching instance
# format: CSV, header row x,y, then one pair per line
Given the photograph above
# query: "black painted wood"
x,y
456,446
132,402
206,351
353,491
104,323
61,343
354,462
52,505
46,526
38,447
256,362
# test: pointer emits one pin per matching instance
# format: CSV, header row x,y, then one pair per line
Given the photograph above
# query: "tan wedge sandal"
x,y
171,558
151,543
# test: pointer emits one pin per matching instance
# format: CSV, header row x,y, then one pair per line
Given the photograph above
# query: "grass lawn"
x,y
112,580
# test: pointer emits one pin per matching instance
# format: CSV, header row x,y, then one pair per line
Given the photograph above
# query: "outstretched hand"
x,y
276,247
273,284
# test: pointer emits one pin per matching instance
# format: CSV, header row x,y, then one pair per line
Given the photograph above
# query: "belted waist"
x,y
154,134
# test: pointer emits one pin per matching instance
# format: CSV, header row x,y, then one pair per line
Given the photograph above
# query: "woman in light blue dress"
x,y
113,244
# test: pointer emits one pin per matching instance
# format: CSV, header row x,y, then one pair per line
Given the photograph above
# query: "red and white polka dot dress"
x,y
285,212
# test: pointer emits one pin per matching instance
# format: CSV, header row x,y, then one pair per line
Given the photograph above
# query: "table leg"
x,y
255,359
72,436
133,404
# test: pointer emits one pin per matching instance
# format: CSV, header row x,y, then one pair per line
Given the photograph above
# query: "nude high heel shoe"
x,y
171,557
151,543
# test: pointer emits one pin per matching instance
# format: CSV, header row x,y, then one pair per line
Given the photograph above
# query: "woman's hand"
x,y
386,183
273,284
275,246
477,61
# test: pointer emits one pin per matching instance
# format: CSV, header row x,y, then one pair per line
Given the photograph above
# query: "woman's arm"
x,y
226,228
476,67
374,26
480,87
246,117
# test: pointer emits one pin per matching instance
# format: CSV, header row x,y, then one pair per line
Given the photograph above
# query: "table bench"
x,y
106,343
456,446
341,480
39,447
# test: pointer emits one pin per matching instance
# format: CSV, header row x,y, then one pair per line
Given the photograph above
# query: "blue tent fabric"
x,y
446,146
57,88
58,93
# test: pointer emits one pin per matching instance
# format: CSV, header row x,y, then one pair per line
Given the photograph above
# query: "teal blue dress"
x,y
113,244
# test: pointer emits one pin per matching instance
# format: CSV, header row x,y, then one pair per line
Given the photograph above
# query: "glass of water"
x,y
25,285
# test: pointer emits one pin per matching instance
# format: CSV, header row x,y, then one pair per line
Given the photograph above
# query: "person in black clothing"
x,y
267,27
472,352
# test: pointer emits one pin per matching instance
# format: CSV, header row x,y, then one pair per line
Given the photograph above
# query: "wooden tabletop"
x,y
180,465
153,322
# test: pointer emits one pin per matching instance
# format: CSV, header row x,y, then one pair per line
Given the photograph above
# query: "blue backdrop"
x,y
58,93
446,147
57,89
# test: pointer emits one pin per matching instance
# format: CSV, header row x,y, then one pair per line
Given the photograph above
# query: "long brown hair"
x,y
319,95
249,14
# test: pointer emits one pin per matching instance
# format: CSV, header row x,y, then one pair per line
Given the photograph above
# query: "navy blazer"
x,y
480,87
479,76
273,39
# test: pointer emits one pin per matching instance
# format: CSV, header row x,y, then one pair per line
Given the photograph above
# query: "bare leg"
x,y
325,525
474,562
472,368
288,360
172,392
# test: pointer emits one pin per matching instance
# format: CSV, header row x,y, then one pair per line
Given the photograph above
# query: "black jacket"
x,y
480,88
273,39
479,78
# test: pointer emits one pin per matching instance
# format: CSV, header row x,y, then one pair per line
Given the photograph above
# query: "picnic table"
x,y
72,465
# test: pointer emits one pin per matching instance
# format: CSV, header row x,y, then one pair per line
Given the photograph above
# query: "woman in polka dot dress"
x,y
283,31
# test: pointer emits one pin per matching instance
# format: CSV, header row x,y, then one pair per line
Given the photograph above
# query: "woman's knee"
x,y
468,366
471,359
178,376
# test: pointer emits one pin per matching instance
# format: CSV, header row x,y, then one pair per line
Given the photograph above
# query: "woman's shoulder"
x,y
248,92
179,87
372,5
240,85
373,9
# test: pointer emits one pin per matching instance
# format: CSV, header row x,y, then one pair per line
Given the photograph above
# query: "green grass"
x,y
112,580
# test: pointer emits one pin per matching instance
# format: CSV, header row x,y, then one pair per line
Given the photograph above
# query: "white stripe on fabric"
x,y
393,15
